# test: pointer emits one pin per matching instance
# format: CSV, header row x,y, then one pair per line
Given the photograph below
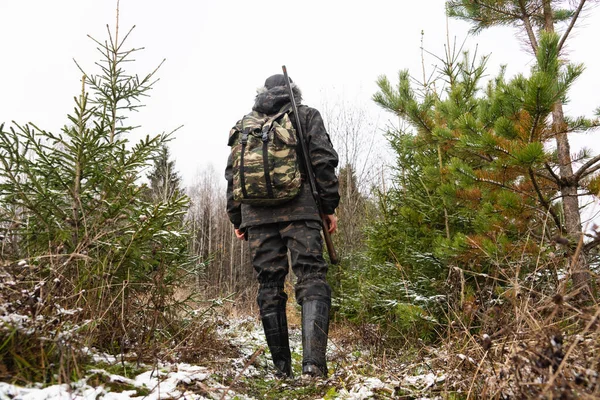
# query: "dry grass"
x,y
537,338
47,321
545,348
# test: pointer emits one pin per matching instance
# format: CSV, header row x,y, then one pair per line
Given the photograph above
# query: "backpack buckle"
x,y
265,134
244,138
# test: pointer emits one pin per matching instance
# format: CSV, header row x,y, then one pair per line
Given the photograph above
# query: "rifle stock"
x,y
310,174
328,242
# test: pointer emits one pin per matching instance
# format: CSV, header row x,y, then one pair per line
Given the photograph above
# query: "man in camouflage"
x,y
294,226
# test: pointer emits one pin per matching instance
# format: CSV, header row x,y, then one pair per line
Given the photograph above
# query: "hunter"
x,y
294,226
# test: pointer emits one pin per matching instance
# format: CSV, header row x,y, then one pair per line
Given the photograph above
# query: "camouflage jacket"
x,y
324,160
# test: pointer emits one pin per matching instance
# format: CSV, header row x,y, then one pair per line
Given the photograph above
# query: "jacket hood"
x,y
270,101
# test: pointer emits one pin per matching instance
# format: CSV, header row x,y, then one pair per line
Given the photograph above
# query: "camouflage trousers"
x,y
269,245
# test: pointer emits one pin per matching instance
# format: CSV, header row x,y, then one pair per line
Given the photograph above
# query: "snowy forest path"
x,y
242,371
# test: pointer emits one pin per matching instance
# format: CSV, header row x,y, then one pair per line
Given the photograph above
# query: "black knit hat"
x,y
276,80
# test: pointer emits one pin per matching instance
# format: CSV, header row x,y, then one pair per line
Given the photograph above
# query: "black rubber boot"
x,y
315,328
276,332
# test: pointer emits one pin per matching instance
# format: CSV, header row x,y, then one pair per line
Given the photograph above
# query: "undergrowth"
x,y
517,335
89,262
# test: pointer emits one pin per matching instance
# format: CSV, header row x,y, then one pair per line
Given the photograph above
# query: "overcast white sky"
x,y
218,52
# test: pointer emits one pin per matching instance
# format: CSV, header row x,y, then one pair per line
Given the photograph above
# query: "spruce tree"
x,y
91,242
164,178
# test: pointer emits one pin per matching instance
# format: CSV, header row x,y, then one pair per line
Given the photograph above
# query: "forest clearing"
x,y
468,264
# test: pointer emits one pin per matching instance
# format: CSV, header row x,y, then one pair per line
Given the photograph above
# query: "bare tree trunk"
x,y
353,135
231,247
210,230
569,184
76,206
201,231
241,264
446,219
193,244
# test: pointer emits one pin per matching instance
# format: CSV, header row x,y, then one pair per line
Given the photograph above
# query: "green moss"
x,y
331,394
274,389
456,396
297,364
101,379
127,370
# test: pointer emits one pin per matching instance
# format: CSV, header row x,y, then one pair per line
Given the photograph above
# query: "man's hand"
x,y
240,234
331,222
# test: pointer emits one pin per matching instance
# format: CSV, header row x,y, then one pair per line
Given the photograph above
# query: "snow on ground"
x,y
185,381
172,384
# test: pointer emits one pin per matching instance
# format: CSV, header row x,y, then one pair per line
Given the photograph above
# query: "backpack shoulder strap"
x,y
234,132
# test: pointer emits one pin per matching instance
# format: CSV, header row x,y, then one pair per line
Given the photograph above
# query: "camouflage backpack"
x,y
264,158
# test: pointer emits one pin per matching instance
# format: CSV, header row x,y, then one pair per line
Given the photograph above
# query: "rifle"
x,y
309,172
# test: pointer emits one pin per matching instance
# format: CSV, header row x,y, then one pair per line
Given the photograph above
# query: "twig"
x,y
569,351
250,361
475,375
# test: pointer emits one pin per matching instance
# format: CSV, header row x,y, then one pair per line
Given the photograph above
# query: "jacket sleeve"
x,y
324,160
234,210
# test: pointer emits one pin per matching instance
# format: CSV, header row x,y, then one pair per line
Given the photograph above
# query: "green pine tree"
x,y
475,185
537,18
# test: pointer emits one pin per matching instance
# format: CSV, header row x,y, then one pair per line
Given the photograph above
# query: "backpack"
x,y
265,159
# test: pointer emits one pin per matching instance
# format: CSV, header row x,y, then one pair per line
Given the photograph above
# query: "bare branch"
x,y
590,171
583,171
528,28
535,122
543,201
590,245
554,176
546,177
571,25
498,10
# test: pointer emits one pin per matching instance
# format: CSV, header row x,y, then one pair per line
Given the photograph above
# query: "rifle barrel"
x,y
310,174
